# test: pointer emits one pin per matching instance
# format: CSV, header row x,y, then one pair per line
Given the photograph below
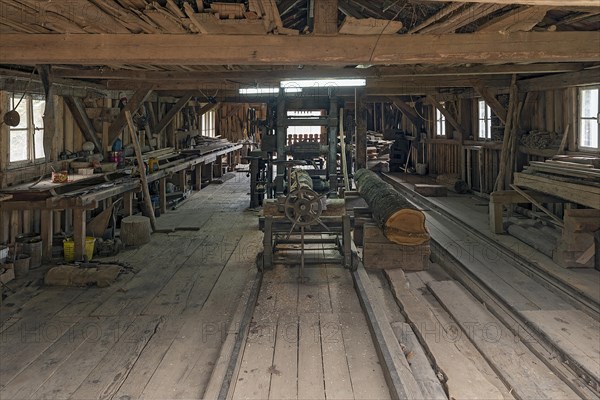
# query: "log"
x,y
332,208
300,179
135,230
399,220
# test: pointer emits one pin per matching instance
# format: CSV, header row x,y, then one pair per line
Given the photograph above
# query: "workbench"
x,y
45,200
79,195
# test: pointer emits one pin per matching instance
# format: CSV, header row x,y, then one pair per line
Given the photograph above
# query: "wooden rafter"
x,y
554,3
466,16
520,19
293,50
449,9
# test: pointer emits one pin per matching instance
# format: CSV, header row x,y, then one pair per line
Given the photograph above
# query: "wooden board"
x,y
380,253
464,379
520,369
431,190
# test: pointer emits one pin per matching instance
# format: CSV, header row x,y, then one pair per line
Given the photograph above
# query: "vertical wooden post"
x,y
14,225
219,164
198,176
57,221
46,232
79,232
140,162
26,221
128,203
182,180
163,195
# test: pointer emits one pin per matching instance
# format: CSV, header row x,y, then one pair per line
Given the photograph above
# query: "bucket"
x,y
21,265
69,249
421,169
33,247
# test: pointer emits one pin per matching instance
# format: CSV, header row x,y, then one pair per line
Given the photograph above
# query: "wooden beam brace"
x,y
449,117
77,108
157,49
560,81
407,111
132,106
172,112
493,102
449,9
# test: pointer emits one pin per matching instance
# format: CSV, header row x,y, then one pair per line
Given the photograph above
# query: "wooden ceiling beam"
x,y
555,3
520,19
275,74
77,108
560,81
293,50
326,17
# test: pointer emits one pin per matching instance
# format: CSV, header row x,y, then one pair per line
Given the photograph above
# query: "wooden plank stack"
x,y
380,253
576,247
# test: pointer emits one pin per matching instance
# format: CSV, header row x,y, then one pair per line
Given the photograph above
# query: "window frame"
x,y
580,118
31,130
487,118
440,122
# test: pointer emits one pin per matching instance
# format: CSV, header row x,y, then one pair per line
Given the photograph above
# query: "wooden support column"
x,y
57,221
26,221
198,176
162,187
46,233
79,225
219,165
361,133
182,180
14,225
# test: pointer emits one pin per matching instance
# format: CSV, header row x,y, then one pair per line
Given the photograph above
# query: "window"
x,y
440,123
485,120
588,117
26,141
208,124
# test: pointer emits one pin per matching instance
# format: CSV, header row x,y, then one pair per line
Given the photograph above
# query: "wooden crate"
x,y
380,253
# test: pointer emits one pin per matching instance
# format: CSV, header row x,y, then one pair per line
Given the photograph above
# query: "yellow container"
x,y
69,248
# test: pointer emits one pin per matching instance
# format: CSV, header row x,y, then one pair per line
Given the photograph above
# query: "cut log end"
x,y
406,227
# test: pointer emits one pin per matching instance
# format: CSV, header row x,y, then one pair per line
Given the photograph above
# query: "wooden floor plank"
x,y
338,384
108,375
367,378
310,360
464,379
151,356
284,372
74,370
24,384
513,361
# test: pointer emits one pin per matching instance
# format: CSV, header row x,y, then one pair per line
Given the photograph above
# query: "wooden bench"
x,y
502,198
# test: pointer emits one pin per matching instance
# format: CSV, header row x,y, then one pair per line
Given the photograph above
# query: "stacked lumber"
x,y
541,140
377,146
572,171
576,248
